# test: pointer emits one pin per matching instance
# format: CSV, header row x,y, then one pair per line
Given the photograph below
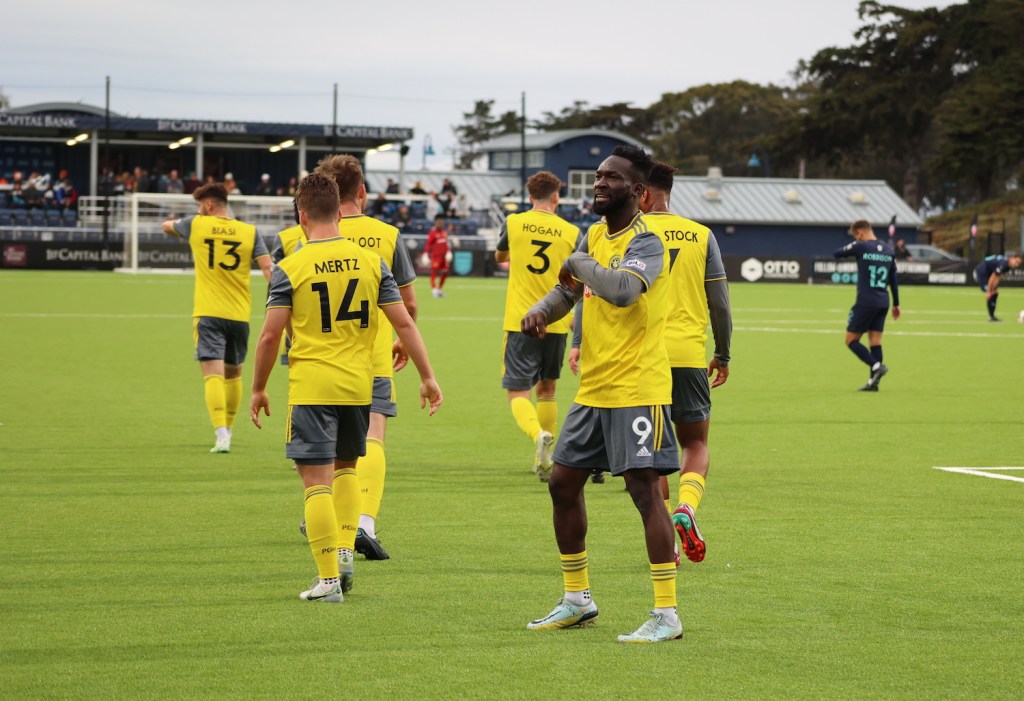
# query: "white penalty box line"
x,y
990,472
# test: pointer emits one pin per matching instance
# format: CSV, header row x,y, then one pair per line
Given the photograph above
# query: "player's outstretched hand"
x,y
896,313
430,392
574,360
259,400
723,373
399,358
534,324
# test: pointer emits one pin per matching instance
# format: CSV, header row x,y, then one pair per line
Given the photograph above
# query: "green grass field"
x,y
133,564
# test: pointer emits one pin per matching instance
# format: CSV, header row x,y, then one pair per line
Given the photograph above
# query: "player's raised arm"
x,y
179,228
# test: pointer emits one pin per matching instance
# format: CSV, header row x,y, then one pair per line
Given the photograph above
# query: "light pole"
x,y
428,149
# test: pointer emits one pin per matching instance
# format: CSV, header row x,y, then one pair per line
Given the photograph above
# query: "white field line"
x,y
839,330
903,321
845,310
990,472
90,315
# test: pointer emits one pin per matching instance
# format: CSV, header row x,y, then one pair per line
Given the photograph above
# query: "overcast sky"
x,y
402,63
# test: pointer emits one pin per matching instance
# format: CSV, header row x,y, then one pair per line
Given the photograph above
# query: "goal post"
x,y
135,220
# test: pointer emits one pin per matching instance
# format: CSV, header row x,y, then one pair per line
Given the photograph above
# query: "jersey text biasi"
x,y
384,240
623,361
693,259
223,250
538,242
334,289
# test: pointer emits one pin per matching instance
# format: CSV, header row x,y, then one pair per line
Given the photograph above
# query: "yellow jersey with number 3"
x,y
223,251
623,361
538,242
334,289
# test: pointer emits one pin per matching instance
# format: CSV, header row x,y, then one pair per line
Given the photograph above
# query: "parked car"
x,y
923,253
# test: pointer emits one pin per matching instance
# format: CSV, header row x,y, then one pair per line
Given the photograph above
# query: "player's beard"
x,y
610,205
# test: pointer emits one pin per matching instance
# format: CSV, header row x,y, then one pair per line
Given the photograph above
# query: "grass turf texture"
x,y
135,564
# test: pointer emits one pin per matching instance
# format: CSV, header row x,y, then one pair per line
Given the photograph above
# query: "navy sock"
x,y
861,352
876,353
992,304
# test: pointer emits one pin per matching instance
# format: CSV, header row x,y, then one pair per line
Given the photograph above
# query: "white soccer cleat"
x,y
542,463
223,445
654,630
328,594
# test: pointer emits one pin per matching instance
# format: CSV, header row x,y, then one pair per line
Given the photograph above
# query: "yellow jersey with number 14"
x,y
538,244
623,361
334,289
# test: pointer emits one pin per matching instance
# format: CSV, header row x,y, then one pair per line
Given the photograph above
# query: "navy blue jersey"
x,y
876,270
992,265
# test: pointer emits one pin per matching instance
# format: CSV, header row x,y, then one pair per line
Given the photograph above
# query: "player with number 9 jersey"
x,y
334,288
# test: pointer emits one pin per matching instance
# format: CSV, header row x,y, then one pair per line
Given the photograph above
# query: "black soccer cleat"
x,y
597,477
993,318
302,529
369,547
877,374
868,388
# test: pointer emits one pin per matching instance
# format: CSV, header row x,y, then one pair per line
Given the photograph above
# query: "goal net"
x,y
135,220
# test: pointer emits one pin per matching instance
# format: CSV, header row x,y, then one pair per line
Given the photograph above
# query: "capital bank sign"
x,y
46,121
754,269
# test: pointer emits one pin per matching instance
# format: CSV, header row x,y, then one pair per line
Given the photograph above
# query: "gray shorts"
x,y
528,360
317,434
691,395
221,339
617,440
384,397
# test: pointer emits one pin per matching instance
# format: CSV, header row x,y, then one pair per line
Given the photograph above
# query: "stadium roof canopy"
x,y
789,201
548,139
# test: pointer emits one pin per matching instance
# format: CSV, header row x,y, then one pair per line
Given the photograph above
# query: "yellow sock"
x,y
691,489
663,576
574,572
346,506
371,469
526,416
213,386
232,399
322,530
547,414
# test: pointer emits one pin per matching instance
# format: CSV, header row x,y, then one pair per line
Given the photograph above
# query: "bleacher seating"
x,y
6,217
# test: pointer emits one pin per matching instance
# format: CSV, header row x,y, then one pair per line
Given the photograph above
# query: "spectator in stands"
x,y
191,183
33,197
447,188
160,180
433,207
417,189
461,207
18,195
174,184
140,180
392,187
67,195
586,209
265,187
402,217
379,208
292,184
448,194
230,185
901,250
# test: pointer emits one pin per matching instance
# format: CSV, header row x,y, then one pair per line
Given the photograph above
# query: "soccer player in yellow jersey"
x,y
386,241
699,293
535,243
223,250
619,421
331,291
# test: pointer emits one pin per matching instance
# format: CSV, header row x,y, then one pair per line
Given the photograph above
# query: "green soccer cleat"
x,y
346,570
654,630
324,593
566,615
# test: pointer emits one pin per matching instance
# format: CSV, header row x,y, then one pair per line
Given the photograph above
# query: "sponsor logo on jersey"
x,y
634,263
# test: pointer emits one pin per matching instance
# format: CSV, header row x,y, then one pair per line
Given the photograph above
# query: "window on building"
x,y
534,159
581,184
500,160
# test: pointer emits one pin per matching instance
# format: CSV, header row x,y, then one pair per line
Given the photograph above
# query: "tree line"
x,y
931,100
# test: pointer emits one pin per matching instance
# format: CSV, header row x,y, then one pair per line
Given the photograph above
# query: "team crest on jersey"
x,y
613,264
879,247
